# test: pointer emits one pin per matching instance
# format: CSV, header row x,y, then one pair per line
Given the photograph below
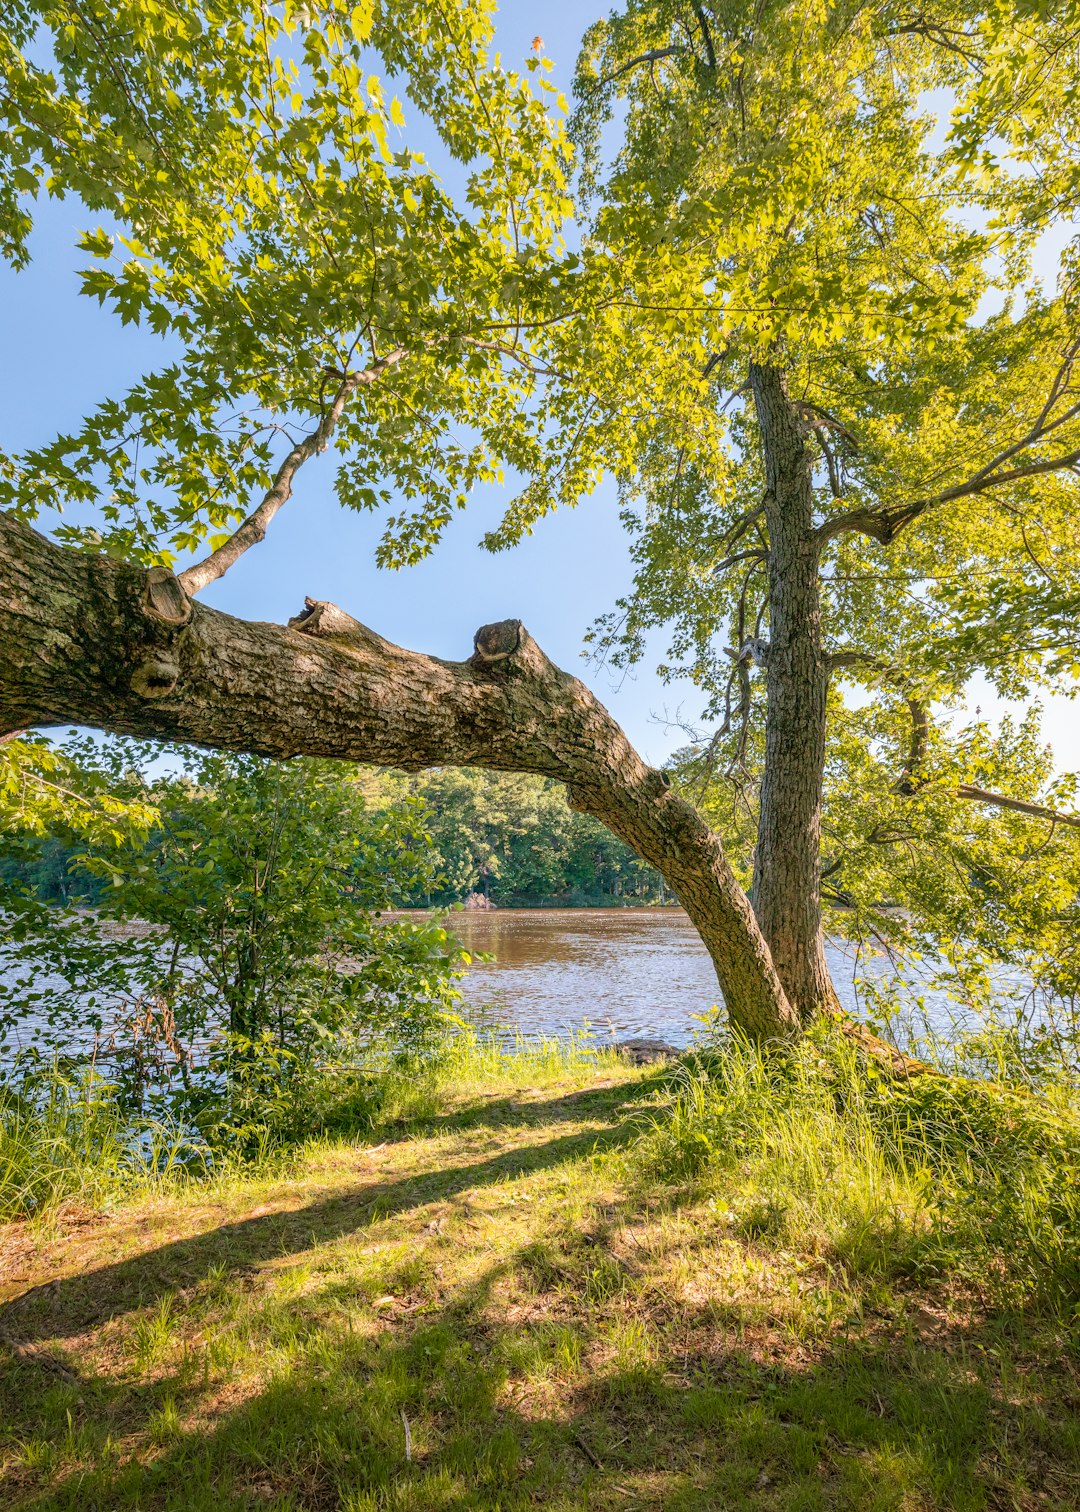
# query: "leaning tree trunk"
x,y
101,643
787,861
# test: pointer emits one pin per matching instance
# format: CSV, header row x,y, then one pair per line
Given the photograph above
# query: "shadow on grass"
x,y
566,1412
516,1109
59,1309
549,1376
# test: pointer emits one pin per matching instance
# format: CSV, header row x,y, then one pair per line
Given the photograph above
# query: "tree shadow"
x,y
62,1308
552,1375
460,1408
515,1110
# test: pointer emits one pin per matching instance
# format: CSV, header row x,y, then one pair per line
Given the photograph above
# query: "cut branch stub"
x,y
328,622
495,643
164,599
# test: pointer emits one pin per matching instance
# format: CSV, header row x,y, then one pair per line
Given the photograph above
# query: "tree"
x,y
323,289
515,838
871,462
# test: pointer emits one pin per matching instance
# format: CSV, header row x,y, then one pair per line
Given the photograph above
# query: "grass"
x,y
562,1282
65,1138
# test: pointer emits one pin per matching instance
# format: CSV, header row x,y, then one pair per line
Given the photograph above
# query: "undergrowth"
x,y
65,1136
928,1176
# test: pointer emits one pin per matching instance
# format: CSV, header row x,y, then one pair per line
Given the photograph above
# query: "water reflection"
x,y
635,971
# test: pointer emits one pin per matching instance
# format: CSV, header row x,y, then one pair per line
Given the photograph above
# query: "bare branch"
x,y
253,530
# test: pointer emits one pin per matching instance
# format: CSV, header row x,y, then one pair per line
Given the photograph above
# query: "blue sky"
x,y
64,354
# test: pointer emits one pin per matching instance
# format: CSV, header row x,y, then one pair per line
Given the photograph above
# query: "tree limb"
x,y
884,525
909,782
652,56
253,530
88,640
1001,800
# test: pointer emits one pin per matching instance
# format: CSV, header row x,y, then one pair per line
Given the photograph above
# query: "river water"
x,y
628,972
624,972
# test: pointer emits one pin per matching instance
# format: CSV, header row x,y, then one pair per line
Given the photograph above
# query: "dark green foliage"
x,y
515,838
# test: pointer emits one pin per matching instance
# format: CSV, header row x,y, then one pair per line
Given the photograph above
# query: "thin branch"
x,y
653,56
706,36
253,530
1000,800
756,554
885,524
830,462
909,783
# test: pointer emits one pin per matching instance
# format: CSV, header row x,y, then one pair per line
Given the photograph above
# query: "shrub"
x,y
238,966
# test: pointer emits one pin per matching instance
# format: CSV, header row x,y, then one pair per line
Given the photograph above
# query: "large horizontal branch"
x,y
87,640
253,530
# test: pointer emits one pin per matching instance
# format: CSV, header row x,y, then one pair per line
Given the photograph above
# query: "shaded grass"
x,y
558,1314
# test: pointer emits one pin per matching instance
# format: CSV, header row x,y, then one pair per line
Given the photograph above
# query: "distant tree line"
x,y
512,838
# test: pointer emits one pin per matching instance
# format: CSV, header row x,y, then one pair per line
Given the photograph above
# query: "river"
x,y
625,972
628,972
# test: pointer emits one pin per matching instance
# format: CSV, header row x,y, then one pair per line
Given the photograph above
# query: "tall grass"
x,y
925,1176
65,1137
470,1059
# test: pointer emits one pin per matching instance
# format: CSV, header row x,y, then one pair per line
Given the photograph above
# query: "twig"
x,y
408,1436
586,1451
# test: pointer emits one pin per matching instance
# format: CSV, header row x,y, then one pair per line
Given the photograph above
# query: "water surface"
x,y
629,972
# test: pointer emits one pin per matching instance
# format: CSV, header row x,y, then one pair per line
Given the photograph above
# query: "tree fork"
x,y
89,640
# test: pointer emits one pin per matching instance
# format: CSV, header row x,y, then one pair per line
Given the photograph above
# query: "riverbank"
x,y
492,1304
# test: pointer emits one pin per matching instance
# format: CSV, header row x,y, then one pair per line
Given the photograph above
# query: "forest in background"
x,y
510,837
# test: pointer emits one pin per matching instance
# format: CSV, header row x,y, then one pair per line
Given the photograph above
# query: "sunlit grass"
x,y
755,1281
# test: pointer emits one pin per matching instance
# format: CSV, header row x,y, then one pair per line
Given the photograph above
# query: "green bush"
x,y
237,967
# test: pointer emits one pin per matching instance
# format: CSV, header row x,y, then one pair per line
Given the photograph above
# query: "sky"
x,y
64,354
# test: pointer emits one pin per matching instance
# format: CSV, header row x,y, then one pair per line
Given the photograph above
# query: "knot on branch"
x,y
657,785
164,599
495,643
155,679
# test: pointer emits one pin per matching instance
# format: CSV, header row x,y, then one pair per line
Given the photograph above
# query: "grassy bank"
x,y
558,1282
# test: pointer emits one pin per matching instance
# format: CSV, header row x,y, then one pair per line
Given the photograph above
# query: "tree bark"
x,y
88,640
787,861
